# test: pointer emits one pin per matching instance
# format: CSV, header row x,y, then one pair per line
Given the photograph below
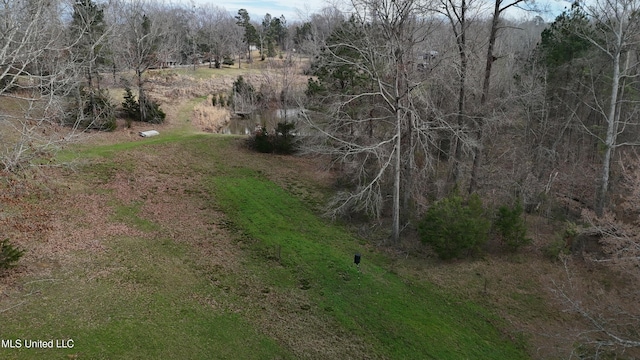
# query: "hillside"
x,y
188,245
182,246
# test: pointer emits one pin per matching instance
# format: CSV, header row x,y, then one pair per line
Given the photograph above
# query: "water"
x,y
267,118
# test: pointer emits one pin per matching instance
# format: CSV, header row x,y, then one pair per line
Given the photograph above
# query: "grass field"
x,y
187,246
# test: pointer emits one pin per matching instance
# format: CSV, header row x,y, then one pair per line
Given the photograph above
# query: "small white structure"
x,y
148,133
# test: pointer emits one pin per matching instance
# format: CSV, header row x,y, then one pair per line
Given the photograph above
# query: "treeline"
x,y
417,105
410,93
447,122
415,100
59,57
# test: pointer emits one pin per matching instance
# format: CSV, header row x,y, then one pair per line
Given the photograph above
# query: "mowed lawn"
x,y
187,246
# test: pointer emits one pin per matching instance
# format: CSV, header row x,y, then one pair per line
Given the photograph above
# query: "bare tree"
x,y
36,73
616,33
312,35
219,33
141,35
462,17
175,37
457,14
500,6
377,121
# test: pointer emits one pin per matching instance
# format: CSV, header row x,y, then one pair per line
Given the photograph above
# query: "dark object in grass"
x,y
9,254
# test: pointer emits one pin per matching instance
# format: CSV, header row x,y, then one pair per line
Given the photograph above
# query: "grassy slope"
x,y
141,298
143,309
402,319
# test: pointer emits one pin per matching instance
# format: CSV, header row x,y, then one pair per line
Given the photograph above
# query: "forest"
x,y
453,129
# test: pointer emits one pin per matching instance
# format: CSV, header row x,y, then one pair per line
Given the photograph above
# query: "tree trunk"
x,y
489,63
611,136
142,98
462,51
396,180
477,158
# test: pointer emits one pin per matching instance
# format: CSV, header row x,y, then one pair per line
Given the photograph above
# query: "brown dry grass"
x,y
209,118
72,224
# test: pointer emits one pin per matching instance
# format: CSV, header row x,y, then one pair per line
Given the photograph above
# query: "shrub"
x,y
130,106
454,227
511,226
555,249
281,141
244,96
562,243
284,141
92,110
230,103
241,86
271,49
261,141
153,113
9,254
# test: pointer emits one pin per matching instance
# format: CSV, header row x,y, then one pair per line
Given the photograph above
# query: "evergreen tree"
x,y
91,107
130,106
9,254
250,32
560,43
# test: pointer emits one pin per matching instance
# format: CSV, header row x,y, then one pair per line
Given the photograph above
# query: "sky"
x,y
296,10
300,10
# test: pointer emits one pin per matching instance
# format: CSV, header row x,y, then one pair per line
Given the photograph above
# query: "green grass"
x,y
109,151
403,320
142,305
203,72
128,214
152,297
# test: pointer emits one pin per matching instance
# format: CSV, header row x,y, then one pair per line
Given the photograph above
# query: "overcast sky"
x,y
292,10
297,10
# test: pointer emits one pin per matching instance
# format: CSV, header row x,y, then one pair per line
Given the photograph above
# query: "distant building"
x,y
426,59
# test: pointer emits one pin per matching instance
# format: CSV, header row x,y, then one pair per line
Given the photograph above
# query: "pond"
x,y
267,118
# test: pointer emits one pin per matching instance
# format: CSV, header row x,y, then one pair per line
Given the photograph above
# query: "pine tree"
x,y
9,254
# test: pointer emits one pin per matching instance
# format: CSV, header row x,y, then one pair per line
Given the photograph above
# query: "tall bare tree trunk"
x,y
611,136
493,34
477,157
142,98
396,179
461,40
